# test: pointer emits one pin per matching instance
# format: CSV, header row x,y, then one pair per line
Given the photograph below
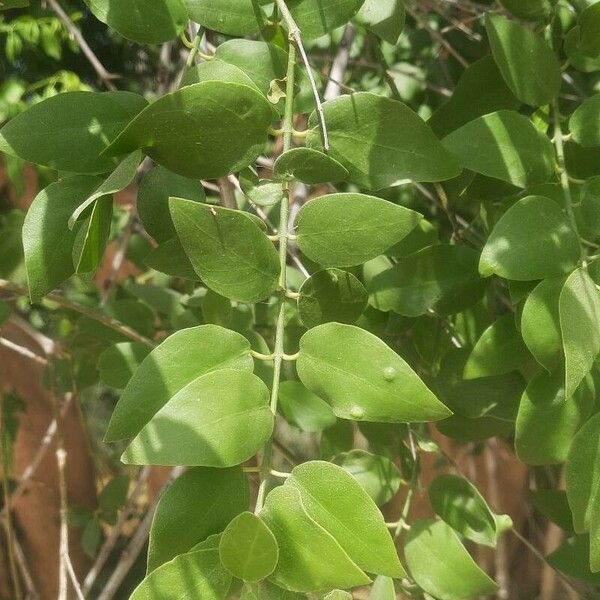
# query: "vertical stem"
x,y
288,129
6,493
564,175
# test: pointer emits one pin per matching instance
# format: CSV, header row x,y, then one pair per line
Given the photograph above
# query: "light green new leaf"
x,y
47,241
441,277
479,91
92,236
458,502
232,17
303,409
527,63
319,17
585,121
344,230
547,420
248,549
198,504
339,504
143,21
68,132
331,295
378,475
504,145
532,240
362,378
382,142
303,547
540,322
309,166
499,350
579,310
218,420
589,26
385,18
383,589
197,574
441,565
118,180
203,131
156,187
179,360
260,61
118,363
227,249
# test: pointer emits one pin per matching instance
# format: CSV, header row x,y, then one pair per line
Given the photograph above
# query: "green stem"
x,y
411,489
279,351
385,68
564,175
191,59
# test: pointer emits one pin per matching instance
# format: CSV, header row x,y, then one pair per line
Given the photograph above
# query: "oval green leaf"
x,y
248,549
344,230
319,17
362,378
309,166
118,363
303,409
585,122
232,17
227,249
179,360
207,423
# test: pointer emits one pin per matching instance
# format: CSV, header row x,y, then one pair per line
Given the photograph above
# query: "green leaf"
x,y
91,537
309,166
216,70
582,475
579,309
577,57
499,350
440,564
118,180
382,142
92,236
589,25
378,475
156,187
206,423
319,17
303,544
585,121
385,18
47,241
248,549
303,409
573,559
383,589
548,420
67,132
195,506
441,277
227,249
203,131
504,145
180,359
169,257
331,295
338,503
143,21
232,17
527,63
8,4
362,378
458,502
532,240
540,322
529,10
260,61
344,230
338,595
197,574
590,205
479,91
263,192
112,498
554,506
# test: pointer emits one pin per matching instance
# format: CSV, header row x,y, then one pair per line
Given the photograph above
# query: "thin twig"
x,y
101,71
22,351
